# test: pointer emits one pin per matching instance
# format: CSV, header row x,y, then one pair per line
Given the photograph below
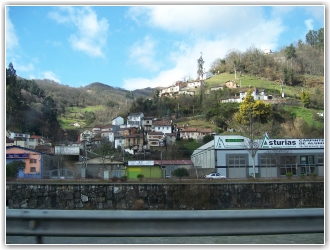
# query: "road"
x,y
316,238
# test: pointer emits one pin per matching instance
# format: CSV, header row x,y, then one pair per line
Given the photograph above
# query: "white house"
x,y
194,84
258,94
22,140
135,120
163,126
118,121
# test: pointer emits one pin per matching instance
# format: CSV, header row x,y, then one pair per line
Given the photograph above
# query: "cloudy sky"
x,y
134,47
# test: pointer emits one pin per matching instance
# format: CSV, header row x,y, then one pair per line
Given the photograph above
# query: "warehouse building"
x,y
274,158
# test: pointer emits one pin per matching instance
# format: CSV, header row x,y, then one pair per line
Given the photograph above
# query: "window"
x,y
307,159
267,161
32,170
33,160
320,159
236,161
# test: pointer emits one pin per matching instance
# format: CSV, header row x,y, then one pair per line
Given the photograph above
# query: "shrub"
x,y
123,178
180,172
289,175
140,177
302,176
114,179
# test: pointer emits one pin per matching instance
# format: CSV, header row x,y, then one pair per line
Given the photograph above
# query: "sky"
x,y
140,46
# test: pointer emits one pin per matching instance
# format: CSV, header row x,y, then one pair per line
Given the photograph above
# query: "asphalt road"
x,y
295,239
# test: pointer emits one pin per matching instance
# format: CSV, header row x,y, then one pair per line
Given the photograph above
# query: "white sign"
x,y
140,163
293,143
237,142
67,150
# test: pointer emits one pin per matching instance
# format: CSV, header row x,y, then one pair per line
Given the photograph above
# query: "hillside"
x,y
291,113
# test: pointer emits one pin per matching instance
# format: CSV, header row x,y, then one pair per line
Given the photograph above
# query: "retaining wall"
x,y
165,196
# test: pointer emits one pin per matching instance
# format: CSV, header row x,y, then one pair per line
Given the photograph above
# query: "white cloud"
x,y
11,37
51,76
309,24
143,53
227,25
24,68
91,34
165,78
197,19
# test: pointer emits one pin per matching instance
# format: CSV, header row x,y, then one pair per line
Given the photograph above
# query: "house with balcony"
x,y
147,123
135,120
134,141
154,138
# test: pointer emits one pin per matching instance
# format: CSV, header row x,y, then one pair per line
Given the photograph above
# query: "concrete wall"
x,y
166,196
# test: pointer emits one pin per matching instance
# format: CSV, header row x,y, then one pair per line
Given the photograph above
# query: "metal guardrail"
x,y
128,223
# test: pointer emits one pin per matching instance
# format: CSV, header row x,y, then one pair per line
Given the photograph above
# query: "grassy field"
x,y
307,114
247,81
198,122
75,115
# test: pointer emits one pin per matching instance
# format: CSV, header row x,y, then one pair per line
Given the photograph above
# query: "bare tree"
x,y
253,131
277,156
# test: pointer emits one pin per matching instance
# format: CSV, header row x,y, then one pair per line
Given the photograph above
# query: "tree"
x,y
257,109
14,167
277,156
208,138
290,52
180,172
305,99
200,70
248,116
13,92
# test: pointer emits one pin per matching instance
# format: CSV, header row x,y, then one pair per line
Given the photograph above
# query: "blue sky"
x,y
135,47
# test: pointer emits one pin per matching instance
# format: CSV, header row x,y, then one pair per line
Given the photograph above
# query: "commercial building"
x,y
274,158
38,165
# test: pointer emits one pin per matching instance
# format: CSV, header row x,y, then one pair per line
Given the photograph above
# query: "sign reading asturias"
x,y
238,142
293,143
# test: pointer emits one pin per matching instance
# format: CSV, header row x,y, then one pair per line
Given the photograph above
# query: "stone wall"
x,y
165,196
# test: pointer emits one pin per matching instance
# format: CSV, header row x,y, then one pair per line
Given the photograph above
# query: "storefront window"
x,y
288,165
267,161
